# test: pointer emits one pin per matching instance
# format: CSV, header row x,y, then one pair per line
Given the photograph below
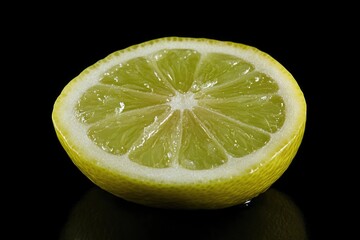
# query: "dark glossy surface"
x,y
53,200
99,215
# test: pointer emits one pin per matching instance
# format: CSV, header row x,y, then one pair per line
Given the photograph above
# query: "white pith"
x,y
235,166
183,101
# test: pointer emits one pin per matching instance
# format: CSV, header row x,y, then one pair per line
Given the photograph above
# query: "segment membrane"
x,y
118,134
254,83
218,68
198,150
177,66
158,146
237,139
266,112
102,101
137,74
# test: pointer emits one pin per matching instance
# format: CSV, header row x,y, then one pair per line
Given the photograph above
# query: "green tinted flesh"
x,y
178,107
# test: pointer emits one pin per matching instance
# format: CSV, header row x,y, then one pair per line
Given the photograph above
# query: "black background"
x,y
43,185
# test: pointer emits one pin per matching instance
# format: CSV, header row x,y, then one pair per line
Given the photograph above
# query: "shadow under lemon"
x,y
101,215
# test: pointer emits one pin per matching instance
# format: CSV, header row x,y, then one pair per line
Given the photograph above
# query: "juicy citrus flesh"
x,y
183,122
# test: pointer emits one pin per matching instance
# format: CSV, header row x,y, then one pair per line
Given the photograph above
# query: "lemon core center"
x,y
183,101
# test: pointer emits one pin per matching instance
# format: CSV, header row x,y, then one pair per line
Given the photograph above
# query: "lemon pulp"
x,y
181,108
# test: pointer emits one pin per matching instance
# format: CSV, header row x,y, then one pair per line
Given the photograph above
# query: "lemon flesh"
x,y
182,122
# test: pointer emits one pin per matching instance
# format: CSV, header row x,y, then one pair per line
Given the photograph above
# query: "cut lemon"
x,y
182,122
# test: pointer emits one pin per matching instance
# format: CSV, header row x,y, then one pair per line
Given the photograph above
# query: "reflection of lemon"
x,y
100,215
182,122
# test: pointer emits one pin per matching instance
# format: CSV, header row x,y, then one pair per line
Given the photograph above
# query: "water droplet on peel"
x,y
247,203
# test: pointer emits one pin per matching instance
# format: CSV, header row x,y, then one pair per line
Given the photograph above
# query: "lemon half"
x,y
180,122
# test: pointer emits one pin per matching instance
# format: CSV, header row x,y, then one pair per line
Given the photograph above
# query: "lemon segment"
x,y
137,74
159,145
197,142
262,111
118,134
182,122
219,68
237,138
177,67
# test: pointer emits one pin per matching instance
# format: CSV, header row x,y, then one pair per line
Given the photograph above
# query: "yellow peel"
x,y
235,181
